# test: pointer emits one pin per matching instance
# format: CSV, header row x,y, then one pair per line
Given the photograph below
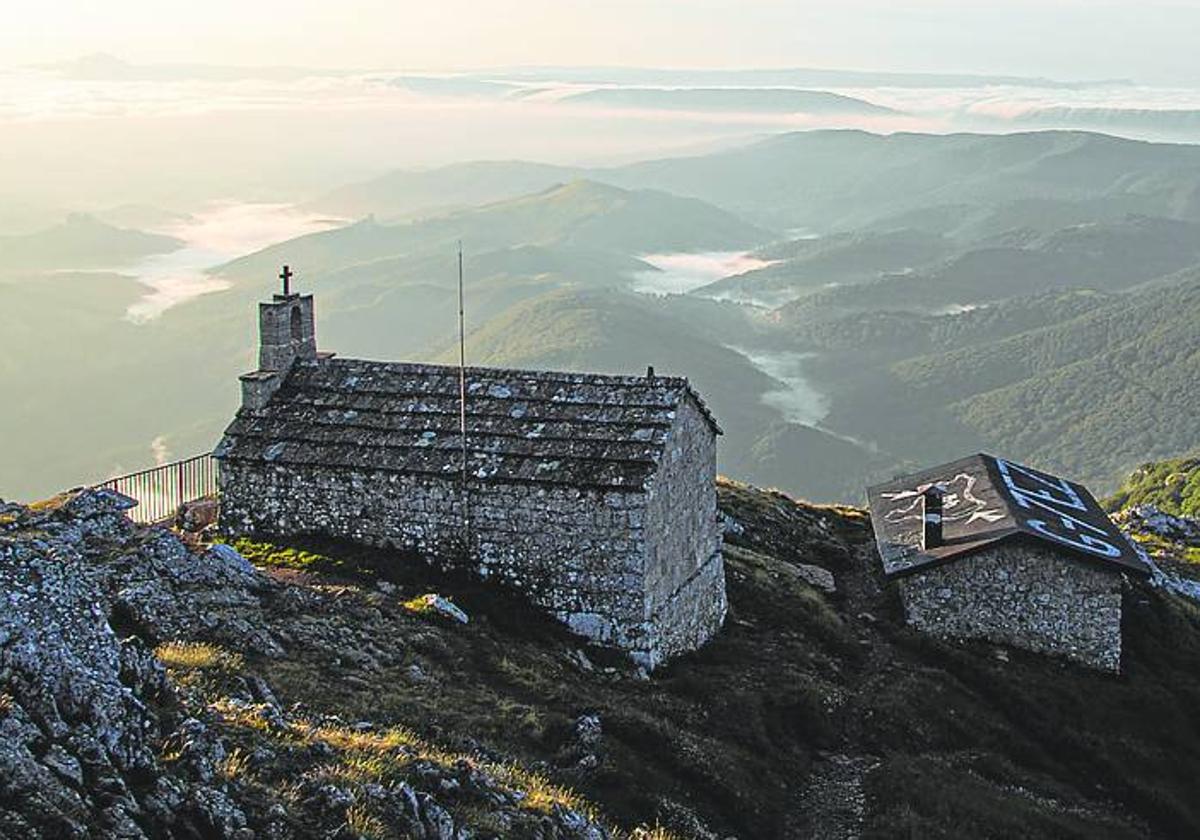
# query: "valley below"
x,y
845,322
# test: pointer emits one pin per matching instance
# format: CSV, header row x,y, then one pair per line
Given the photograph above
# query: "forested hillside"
x,y
851,304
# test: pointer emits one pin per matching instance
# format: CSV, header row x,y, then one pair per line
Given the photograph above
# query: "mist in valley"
x,y
840,260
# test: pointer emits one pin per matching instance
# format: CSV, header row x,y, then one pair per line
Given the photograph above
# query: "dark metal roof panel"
x,y
991,499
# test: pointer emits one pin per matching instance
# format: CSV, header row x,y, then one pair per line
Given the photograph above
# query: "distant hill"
x,y
1090,395
404,193
967,186
81,242
1028,294
823,465
764,100
775,77
840,259
839,180
578,215
623,333
1105,256
1168,122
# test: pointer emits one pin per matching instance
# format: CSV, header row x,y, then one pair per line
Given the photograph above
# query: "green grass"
x,y
1173,486
1158,547
271,555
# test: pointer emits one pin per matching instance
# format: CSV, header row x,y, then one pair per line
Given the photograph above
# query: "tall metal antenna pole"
x,y
462,400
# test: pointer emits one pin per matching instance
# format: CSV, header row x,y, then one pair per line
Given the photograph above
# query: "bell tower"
x,y
286,332
285,328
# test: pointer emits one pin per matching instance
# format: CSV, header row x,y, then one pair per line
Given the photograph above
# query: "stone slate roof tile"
x,y
578,429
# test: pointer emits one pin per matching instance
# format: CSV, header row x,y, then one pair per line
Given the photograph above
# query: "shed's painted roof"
x,y
586,430
988,500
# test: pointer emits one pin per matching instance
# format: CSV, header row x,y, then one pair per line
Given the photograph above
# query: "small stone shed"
x,y
986,548
593,495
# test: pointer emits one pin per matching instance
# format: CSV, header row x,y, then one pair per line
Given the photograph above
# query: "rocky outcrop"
x,y
1149,519
97,741
1168,543
85,594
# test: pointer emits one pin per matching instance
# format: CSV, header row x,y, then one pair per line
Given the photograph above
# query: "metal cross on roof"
x,y
286,276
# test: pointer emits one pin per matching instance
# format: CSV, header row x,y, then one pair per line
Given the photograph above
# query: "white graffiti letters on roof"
x,y
959,503
1036,492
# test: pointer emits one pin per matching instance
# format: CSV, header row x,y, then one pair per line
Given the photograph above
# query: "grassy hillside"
x,y
1172,486
809,715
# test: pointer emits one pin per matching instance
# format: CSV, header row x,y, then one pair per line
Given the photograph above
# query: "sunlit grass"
x,y
648,833
541,794
235,766
198,656
342,738
51,504
383,756
363,823
270,555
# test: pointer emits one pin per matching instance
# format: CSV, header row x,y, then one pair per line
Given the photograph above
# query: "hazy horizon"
x,y
148,154
1149,42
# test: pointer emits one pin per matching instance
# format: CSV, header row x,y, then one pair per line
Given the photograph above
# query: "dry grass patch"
x,y
235,767
342,738
541,794
244,716
365,824
52,504
198,656
648,833
384,757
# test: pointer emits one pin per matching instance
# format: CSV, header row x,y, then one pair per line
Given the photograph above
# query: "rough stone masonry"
x,y
593,495
984,548
1025,596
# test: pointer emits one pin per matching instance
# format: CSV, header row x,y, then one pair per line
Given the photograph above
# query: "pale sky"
x,y
1149,40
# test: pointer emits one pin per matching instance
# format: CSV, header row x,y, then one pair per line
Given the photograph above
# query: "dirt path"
x,y
832,803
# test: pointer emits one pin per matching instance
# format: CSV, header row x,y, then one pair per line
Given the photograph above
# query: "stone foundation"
x,y
1024,596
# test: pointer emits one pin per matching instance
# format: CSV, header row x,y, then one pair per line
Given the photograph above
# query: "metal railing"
x,y
159,491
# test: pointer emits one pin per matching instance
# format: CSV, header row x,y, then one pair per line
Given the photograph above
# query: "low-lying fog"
x,y
680,273
213,236
163,137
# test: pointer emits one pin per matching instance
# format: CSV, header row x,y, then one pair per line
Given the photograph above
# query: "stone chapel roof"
x,y
580,429
987,500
